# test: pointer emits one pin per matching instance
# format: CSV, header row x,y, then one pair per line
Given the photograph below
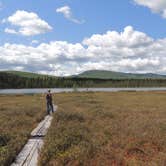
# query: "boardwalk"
x,y
29,154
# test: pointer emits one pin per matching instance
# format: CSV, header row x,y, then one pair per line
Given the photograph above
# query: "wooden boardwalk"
x,y
29,154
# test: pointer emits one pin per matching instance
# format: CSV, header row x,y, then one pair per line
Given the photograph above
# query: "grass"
x,y
100,129
89,129
18,116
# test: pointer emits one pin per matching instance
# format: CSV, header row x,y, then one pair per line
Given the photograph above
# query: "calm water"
x,y
58,90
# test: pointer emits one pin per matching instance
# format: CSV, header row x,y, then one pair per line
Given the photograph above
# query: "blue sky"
x,y
99,15
86,18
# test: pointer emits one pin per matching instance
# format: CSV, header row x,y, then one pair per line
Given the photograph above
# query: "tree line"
x,y
8,81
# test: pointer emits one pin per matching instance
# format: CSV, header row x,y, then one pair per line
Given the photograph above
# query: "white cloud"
x,y
34,42
128,38
28,23
156,6
12,31
126,51
66,11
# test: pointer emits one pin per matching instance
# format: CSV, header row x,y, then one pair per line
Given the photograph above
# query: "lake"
x,y
59,90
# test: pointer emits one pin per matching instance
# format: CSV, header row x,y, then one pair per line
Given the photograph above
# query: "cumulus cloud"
x,y
128,38
26,24
66,11
156,6
126,51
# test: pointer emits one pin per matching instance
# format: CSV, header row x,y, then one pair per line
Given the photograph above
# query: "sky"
x,y
66,37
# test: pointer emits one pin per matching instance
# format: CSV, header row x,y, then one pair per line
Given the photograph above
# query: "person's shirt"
x,y
49,98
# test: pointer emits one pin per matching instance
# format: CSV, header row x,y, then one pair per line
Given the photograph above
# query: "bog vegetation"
x,y
122,128
18,116
94,129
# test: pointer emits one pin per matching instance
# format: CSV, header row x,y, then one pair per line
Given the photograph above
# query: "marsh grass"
x,y
100,129
18,116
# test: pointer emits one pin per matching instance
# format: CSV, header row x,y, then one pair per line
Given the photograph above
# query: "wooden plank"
x,y
41,129
29,154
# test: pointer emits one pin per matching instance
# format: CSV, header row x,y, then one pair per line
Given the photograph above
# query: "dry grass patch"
x,y
100,129
18,116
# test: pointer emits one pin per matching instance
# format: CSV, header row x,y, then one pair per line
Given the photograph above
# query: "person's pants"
x,y
50,108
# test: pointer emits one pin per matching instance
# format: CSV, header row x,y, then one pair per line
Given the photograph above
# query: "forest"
x,y
11,81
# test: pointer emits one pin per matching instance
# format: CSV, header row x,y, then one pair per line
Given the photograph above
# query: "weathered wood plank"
x,y
29,154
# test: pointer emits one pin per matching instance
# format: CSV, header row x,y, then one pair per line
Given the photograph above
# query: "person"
x,y
49,102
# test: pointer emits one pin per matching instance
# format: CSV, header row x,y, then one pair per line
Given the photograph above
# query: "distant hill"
x,y
103,74
96,74
25,74
95,78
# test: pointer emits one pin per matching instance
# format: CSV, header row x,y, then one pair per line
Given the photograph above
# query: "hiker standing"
x,y
49,102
